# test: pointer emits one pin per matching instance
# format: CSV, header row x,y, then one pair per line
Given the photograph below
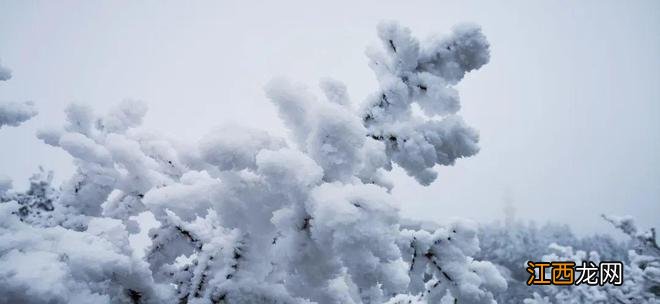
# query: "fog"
x,y
567,108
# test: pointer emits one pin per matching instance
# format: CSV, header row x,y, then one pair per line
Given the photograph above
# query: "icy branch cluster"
x,y
410,73
245,217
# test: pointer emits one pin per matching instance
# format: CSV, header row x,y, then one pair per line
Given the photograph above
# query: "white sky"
x,y
568,108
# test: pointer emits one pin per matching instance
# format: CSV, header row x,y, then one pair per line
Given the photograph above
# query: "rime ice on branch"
x,y
424,74
245,217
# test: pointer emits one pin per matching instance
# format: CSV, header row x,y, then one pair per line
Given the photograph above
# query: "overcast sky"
x,y
568,108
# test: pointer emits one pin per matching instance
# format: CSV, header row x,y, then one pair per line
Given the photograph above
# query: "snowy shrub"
x,y
245,217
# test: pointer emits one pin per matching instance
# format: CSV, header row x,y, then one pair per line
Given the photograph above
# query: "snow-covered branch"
x,y
246,217
5,73
14,113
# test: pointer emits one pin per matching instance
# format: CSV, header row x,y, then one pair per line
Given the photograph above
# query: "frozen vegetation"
x,y
246,217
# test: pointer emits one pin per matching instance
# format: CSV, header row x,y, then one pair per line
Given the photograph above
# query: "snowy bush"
x,y
245,217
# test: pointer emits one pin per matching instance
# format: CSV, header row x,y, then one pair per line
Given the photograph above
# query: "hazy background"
x,y
568,108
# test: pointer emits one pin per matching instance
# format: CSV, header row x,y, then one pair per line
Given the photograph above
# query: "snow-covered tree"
x,y
512,243
641,284
642,274
246,217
